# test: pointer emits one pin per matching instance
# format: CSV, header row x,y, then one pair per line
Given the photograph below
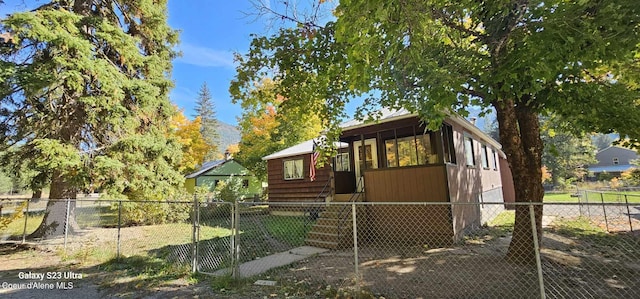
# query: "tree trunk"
x,y
37,194
520,135
55,215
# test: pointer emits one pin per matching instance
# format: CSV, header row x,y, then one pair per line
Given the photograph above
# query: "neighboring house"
x,y
213,172
613,160
402,162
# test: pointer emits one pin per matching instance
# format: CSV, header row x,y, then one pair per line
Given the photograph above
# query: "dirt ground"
x,y
573,266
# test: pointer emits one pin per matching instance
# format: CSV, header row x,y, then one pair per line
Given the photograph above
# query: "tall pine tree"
x,y
206,110
84,90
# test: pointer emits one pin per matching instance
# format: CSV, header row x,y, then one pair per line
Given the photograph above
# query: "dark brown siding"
x,y
302,190
413,223
345,182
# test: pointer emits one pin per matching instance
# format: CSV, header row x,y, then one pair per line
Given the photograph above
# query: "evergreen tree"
x,y
84,90
206,110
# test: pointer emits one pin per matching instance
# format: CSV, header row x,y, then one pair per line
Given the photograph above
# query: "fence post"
x,y
626,200
586,197
119,226
66,224
26,217
536,246
604,210
236,246
355,248
194,235
232,239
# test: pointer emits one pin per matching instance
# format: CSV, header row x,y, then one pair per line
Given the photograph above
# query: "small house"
x,y
612,161
213,172
397,159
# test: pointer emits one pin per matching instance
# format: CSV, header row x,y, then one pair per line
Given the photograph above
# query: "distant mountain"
x,y
228,135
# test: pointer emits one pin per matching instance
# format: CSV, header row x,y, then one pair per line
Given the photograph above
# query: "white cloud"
x,y
206,57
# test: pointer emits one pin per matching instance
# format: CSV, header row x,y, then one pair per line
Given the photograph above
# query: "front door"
x,y
367,159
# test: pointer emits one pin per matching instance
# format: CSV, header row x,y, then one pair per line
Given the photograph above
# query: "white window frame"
x,y
485,156
339,161
469,151
293,169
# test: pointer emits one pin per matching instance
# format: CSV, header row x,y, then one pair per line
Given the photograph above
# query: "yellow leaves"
x,y
194,147
233,149
546,175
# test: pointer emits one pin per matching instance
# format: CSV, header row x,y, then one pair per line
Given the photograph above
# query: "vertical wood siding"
x,y
409,223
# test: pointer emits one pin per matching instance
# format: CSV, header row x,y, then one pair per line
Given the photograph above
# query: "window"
x,y
495,159
245,184
468,151
411,150
447,140
616,161
341,162
293,169
485,157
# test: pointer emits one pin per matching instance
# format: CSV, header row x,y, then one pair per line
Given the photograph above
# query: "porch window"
x,y
468,151
341,162
411,150
485,157
447,142
293,169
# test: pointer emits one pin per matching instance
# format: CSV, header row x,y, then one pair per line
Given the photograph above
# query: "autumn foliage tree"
x,y
189,136
267,125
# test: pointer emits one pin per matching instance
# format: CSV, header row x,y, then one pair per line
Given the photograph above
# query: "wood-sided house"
x,y
213,172
396,159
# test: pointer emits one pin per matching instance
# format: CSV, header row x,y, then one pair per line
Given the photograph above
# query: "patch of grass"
x,y
499,226
96,216
146,271
619,197
580,226
16,227
227,282
505,220
560,197
156,236
631,197
287,229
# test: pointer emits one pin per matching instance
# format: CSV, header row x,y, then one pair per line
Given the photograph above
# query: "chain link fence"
x,y
587,249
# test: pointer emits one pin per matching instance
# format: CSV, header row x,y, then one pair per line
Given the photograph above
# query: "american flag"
x,y
314,159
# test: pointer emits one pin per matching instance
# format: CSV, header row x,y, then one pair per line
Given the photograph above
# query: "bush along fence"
x,y
364,249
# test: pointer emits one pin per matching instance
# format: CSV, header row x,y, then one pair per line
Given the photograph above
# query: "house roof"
x,y
305,147
388,115
206,167
617,147
612,168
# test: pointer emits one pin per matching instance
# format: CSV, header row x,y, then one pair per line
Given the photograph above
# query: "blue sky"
x,y
210,32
